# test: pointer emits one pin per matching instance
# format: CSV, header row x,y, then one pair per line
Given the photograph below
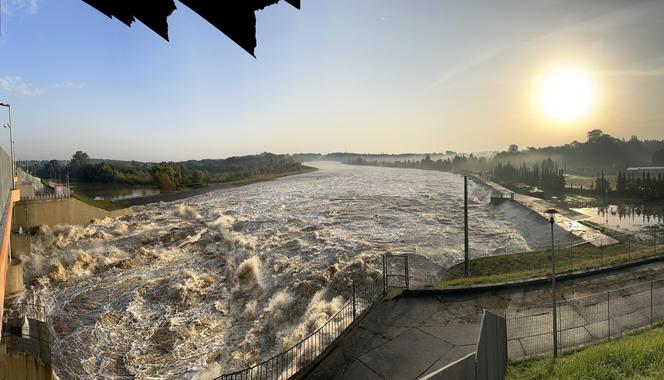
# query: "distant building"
x,y
652,170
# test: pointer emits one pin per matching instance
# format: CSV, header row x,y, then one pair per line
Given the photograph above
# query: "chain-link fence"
x,y
584,320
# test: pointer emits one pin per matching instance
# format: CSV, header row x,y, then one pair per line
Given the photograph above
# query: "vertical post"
x,y
384,275
629,248
655,243
465,226
553,294
608,314
651,316
354,307
407,274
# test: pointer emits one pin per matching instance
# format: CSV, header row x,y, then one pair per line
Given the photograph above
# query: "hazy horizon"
x,y
387,77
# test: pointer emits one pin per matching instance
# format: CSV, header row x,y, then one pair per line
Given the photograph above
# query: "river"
x,y
231,277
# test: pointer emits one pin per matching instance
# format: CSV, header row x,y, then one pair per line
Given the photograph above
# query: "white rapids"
x,y
224,280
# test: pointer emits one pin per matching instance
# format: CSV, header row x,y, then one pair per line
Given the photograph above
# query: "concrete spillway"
x,y
566,220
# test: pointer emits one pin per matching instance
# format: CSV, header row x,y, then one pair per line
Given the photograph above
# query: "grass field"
x,y
107,205
527,265
578,180
638,356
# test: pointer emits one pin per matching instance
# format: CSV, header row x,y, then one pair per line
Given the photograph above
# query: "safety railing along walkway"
x,y
302,356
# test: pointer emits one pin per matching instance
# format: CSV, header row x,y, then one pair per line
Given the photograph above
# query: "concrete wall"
x,y
489,362
462,369
21,366
20,244
5,245
32,213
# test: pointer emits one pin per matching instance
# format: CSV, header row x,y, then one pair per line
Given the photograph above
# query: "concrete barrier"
x,y
23,366
33,213
15,285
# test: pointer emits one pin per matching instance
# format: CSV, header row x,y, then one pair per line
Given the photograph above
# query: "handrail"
x,y
305,352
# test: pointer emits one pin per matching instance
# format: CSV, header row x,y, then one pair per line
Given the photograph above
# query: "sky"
x,y
374,76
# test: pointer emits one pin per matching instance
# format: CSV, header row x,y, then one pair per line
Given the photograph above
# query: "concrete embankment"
x,y
568,229
32,213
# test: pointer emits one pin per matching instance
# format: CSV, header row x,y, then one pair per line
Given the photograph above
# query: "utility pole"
x,y
465,226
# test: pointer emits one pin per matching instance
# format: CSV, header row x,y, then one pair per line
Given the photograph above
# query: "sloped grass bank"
x,y
638,356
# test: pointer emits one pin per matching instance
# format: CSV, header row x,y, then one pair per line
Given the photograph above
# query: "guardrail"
x,y
303,355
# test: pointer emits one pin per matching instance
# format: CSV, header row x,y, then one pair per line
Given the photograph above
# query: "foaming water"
x,y
229,278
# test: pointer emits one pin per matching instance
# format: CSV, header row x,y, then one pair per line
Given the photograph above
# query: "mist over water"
x,y
229,278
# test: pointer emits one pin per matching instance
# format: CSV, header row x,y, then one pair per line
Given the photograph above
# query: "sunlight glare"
x,y
566,94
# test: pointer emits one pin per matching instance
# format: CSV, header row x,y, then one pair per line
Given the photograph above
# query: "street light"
x,y
552,213
11,141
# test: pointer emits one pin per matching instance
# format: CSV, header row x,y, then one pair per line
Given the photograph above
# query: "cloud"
x,y
653,72
16,85
465,66
69,84
9,7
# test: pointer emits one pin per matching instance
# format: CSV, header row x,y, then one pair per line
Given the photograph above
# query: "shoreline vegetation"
x,y
175,180
587,173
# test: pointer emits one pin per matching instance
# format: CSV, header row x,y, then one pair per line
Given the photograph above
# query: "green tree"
x,y
78,162
658,157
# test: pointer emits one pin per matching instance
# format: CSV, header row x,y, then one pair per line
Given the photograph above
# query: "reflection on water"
x,y
624,217
113,192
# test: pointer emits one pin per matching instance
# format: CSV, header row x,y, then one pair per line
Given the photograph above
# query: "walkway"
x,y
409,336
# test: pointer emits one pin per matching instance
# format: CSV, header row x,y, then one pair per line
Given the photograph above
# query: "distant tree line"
x,y
546,176
642,186
167,176
458,162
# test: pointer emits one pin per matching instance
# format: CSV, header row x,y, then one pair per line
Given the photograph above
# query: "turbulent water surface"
x,y
226,279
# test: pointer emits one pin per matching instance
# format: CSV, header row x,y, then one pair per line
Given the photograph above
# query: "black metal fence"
x,y
396,273
302,355
25,329
584,320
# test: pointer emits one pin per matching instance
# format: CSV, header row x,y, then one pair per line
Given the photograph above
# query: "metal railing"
x,y
396,272
47,196
35,340
304,354
584,320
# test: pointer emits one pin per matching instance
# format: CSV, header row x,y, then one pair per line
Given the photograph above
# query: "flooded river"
x,y
226,279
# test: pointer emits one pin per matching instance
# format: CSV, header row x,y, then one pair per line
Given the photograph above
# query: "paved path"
x,y
407,337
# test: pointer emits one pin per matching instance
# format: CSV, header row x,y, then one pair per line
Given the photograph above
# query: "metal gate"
x,y
395,271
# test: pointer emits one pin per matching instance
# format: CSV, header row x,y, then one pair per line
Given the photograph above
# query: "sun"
x,y
566,94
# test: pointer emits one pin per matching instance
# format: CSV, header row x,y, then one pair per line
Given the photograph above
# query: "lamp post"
x,y
552,213
11,141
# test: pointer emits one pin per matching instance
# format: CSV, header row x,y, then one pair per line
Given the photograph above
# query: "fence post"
x,y
608,314
629,248
354,307
384,275
655,243
651,316
407,274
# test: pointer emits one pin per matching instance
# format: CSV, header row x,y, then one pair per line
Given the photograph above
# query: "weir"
x,y
566,220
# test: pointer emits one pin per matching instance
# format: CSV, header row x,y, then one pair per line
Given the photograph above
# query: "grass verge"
x,y
637,356
104,204
527,265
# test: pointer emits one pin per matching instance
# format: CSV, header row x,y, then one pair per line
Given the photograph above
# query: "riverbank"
x,y
188,192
